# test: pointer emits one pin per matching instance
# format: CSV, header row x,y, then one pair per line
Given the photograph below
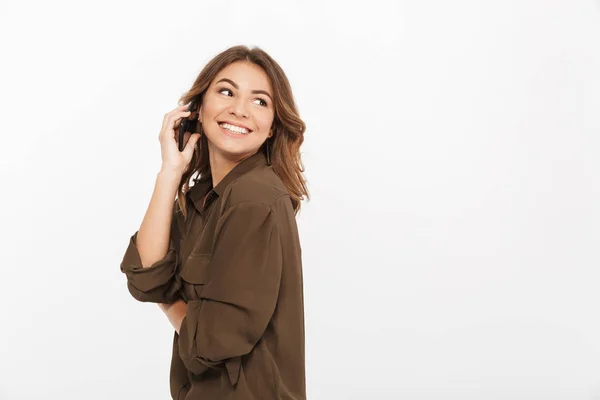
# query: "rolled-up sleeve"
x,y
156,283
239,298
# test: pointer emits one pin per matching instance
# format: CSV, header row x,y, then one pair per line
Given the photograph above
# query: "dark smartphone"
x,y
188,124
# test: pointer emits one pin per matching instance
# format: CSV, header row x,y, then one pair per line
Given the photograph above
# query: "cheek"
x,y
208,109
264,121
211,107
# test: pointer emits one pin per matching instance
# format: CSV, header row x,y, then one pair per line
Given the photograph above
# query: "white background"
x,y
450,247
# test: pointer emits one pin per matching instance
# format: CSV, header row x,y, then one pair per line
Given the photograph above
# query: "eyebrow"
x,y
237,87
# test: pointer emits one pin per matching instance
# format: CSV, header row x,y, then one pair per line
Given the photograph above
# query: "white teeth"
x,y
234,129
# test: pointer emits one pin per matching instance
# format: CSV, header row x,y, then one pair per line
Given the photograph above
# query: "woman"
x,y
223,258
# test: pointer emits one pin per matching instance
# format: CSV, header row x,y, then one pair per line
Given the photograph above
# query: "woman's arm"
x,y
157,222
155,230
150,260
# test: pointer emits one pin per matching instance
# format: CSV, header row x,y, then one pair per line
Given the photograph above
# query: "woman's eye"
x,y
228,92
262,102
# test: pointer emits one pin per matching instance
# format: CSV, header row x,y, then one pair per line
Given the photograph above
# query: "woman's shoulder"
x,y
260,185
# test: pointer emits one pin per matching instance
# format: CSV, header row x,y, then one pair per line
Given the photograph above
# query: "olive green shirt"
x,y
236,261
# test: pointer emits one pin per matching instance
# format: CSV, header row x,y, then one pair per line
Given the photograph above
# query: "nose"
x,y
238,108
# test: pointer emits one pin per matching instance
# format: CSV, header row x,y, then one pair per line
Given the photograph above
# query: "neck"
x,y
221,165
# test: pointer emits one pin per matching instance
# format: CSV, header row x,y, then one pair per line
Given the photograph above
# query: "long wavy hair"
x,y
282,148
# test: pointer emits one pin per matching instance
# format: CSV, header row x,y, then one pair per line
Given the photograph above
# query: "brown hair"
x,y
283,148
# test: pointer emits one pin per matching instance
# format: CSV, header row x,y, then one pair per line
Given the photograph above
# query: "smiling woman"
x,y
223,259
238,105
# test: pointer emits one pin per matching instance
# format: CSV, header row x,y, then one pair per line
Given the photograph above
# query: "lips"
x,y
235,124
231,134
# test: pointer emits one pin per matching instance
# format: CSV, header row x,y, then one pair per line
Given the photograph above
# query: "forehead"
x,y
246,75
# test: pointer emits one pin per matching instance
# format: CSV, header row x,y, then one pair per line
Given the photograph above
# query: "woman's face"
x,y
237,111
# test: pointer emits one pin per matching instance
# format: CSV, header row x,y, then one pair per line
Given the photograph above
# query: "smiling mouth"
x,y
235,129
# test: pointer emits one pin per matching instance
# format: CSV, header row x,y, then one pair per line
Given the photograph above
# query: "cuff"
x,y
155,283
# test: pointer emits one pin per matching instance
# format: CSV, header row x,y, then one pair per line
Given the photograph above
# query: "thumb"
x,y
191,143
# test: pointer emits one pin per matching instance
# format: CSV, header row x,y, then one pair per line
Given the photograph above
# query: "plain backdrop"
x,y
450,246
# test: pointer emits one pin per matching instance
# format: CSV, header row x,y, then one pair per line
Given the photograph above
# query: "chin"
x,y
232,150
232,146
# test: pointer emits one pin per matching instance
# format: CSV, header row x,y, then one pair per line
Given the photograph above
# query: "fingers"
x,y
172,120
176,113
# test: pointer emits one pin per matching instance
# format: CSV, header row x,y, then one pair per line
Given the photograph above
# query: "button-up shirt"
x,y
236,261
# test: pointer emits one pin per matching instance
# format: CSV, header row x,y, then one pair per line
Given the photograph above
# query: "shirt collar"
x,y
204,187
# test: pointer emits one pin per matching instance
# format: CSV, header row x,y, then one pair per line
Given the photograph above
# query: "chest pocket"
x,y
195,274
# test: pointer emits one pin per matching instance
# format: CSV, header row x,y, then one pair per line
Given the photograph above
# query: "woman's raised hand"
x,y
172,158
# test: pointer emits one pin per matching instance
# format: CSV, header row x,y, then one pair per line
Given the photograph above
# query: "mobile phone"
x,y
187,123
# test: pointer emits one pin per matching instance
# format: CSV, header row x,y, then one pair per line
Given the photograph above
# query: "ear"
x,y
200,113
